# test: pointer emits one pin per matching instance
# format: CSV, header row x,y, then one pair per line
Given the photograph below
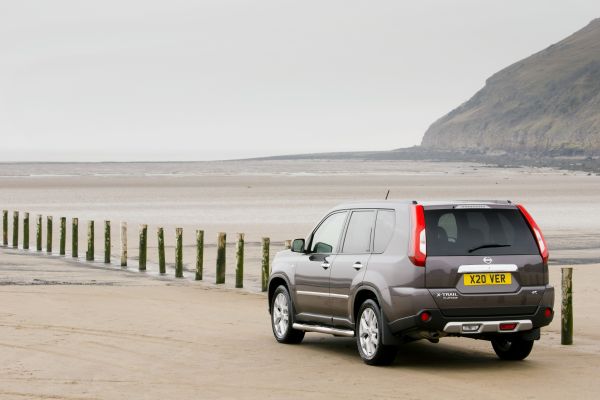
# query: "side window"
x,y
326,237
359,232
384,227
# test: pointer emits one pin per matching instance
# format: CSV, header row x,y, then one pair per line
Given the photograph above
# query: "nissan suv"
x,y
390,272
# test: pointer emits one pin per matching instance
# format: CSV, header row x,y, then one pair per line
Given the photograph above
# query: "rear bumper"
x,y
478,327
453,325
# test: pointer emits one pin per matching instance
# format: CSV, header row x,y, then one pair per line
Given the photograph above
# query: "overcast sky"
x,y
196,80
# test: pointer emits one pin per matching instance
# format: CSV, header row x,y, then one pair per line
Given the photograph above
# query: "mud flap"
x,y
388,338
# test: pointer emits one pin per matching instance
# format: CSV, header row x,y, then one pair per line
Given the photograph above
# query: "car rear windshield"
x,y
462,232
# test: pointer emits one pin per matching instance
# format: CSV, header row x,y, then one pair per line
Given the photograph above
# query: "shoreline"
x,y
559,160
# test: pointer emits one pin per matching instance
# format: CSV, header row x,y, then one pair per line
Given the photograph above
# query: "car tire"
x,y
513,349
282,317
369,327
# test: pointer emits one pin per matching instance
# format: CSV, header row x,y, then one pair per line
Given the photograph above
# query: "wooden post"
x,y
143,246
161,251
239,268
123,244
5,227
179,253
89,255
75,238
287,244
15,239
566,332
265,263
63,237
26,231
221,258
49,234
199,254
38,233
107,242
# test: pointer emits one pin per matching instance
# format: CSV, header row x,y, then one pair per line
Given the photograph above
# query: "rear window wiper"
x,y
487,246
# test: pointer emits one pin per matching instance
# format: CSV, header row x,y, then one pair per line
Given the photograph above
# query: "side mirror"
x,y
298,246
323,248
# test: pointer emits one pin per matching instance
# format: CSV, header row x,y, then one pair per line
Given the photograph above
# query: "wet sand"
x,y
74,331
283,200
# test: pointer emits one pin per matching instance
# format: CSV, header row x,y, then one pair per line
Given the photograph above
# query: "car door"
x,y
312,270
349,266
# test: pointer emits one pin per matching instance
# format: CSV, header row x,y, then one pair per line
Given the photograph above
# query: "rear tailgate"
x,y
482,260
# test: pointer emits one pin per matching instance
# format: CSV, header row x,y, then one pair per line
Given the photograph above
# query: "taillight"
x,y
537,232
417,251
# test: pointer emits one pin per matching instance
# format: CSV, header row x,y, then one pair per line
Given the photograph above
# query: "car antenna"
x,y
387,194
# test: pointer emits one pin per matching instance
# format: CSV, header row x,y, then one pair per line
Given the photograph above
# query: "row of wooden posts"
x,y
143,246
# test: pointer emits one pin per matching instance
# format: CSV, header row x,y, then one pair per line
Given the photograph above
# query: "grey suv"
x,y
390,272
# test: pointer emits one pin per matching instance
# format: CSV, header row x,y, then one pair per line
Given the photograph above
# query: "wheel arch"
x,y
274,283
364,293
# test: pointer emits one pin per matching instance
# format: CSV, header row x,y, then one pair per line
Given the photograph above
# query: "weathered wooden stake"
x,y
49,234
75,238
199,254
239,268
107,242
265,263
123,244
26,231
5,227
15,241
38,233
62,245
221,257
287,244
143,246
566,333
179,253
89,255
161,251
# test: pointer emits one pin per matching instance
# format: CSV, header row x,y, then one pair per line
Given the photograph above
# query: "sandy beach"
x,y
73,331
77,330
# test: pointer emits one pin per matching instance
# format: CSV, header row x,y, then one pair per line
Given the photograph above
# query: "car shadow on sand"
x,y
421,354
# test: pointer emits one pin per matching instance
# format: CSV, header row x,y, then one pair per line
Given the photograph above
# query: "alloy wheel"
x,y
368,331
280,315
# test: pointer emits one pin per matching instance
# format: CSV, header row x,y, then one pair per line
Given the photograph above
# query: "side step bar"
x,y
323,329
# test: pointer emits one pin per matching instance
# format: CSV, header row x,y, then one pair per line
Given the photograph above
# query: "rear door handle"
x,y
357,265
325,265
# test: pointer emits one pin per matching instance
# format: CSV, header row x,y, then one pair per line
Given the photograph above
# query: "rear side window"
x,y
463,232
359,232
384,227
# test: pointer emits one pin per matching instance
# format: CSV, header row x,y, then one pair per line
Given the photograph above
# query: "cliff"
x,y
548,103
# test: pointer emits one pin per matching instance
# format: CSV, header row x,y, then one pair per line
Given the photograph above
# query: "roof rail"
x,y
487,201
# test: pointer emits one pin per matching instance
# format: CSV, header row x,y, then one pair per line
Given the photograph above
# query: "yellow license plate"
x,y
488,278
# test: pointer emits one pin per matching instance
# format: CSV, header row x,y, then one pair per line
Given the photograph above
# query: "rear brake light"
x,y
548,312
417,251
537,232
510,326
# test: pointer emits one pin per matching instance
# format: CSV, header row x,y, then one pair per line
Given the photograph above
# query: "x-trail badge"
x,y
487,260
